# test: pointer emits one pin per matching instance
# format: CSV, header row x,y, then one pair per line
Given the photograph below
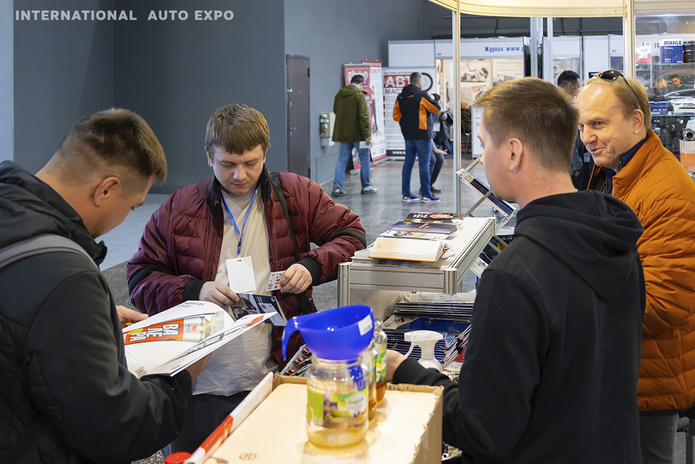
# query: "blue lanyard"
x,y
236,228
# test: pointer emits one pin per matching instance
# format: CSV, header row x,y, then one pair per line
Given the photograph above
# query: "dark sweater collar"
x,y
623,160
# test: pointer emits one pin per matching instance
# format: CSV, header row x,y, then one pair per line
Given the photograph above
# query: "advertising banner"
x,y
376,109
371,71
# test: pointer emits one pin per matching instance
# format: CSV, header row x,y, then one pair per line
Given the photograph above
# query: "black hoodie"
x,y
551,368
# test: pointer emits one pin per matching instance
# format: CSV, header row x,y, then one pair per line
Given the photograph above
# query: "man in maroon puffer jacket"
x,y
237,213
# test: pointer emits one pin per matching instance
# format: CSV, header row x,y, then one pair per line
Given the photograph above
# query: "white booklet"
x,y
172,340
407,249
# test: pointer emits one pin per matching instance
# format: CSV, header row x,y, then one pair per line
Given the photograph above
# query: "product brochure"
x,y
427,216
172,340
259,304
412,234
413,241
407,250
428,227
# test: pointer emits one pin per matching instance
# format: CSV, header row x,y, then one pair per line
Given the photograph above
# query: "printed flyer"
x,y
172,340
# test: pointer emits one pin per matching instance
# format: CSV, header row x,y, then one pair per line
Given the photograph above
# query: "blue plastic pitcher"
x,y
338,333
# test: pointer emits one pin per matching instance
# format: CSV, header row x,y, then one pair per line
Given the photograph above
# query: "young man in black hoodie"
x,y
551,368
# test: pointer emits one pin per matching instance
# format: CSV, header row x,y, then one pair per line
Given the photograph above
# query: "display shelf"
x,y
659,39
443,276
672,114
669,128
649,73
505,209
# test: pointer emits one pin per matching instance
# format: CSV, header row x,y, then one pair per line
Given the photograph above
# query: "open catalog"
x,y
172,340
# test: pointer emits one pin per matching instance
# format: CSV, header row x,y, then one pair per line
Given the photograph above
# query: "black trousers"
x,y
204,414
436,162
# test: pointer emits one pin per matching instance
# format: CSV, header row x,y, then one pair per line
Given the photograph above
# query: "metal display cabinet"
x,y
664,48
379,282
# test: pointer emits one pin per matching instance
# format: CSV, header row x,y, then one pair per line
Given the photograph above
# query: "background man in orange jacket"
x,y
633,165
412,107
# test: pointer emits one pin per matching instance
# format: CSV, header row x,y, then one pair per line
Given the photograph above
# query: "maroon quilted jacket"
x,y
180,246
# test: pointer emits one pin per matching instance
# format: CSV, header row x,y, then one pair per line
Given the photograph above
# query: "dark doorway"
x,y
298,124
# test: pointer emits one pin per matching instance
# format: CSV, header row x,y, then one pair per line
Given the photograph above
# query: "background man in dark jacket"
x,y
551,367
65,391
186,246
411,111
440,144
351,127
568,81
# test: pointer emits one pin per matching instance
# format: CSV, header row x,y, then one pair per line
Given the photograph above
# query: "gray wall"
x,y
6,82
177,73
333,33
62,71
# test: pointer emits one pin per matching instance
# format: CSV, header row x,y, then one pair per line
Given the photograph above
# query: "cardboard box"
x,y
407,429
671,50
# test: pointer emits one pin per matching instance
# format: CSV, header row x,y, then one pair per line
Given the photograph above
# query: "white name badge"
x,y
241,276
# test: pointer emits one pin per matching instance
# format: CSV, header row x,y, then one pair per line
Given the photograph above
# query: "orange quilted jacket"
x,y
662,194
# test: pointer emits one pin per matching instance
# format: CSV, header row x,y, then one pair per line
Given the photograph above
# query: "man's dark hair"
x,y
357,79
416,78
112,139
567,77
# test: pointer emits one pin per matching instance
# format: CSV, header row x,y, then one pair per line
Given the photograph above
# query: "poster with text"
x,y
371,71
476,78
376,109
506,69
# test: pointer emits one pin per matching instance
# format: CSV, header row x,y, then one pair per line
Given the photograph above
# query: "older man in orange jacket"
x,y
633,165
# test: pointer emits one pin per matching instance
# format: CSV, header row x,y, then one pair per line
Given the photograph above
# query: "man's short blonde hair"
x,y
537,113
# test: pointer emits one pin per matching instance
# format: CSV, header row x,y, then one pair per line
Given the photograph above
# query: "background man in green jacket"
x,y
351,127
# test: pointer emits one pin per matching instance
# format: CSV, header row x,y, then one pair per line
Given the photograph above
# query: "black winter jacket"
x,y
551,368
61,346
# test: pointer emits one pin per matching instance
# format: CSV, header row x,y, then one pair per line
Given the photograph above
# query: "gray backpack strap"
x,y
47,243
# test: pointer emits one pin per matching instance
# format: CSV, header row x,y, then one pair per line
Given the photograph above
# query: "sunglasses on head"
x,y
612,75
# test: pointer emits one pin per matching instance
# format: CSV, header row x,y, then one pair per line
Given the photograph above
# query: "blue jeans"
x,y
422,149
345,153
